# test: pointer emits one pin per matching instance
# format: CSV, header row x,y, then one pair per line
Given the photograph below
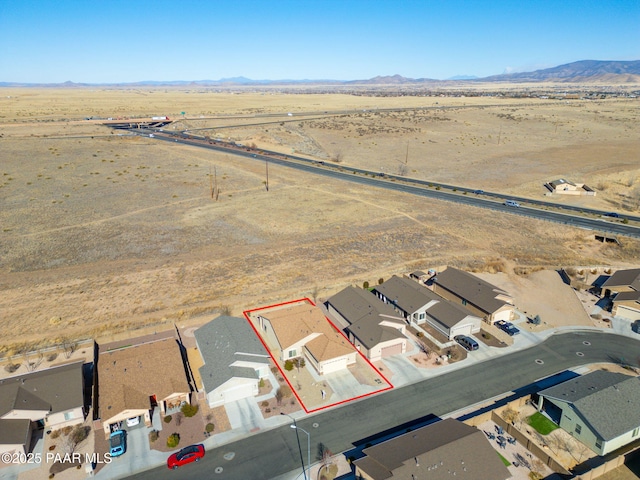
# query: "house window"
x,y
598,444
69,416
464,302
635,432
421,316
578,429
292,353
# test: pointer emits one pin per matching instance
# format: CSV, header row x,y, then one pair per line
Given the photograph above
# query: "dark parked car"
x,y
192,453
467,342
635,326
507,327
478,192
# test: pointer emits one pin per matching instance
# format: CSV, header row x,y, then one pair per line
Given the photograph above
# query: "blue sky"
x,y
102,41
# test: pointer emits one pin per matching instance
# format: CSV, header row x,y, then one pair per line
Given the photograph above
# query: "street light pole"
x,y
308,447
295,426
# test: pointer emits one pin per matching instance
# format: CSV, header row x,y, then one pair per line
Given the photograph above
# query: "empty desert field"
x,y
104,233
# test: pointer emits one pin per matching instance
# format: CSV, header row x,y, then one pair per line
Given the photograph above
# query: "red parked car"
x,y
192,453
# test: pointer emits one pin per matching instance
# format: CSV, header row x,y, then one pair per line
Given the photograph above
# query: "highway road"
x,y
272,453
588,219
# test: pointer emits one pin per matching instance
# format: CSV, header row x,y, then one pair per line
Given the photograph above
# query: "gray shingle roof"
x,y
629,278
435,452
364,311
410,296
471,288
55,389
608,401
407,294
224,341
15,432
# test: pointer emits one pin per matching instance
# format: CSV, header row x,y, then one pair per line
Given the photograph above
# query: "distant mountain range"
x,y
584,71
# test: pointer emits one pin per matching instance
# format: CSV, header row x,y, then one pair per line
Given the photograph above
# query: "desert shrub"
x,y
173,440
153,436
288,365
11,367
286,391
55,434
265,403
67,430
189,410
261,383
380,281
167,419
52,356
209,427
79,434
365,285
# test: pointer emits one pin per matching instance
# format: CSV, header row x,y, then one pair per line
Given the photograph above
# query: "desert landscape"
x,y
104,233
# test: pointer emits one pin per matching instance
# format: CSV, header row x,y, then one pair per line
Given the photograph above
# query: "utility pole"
x,y
210,182
266,160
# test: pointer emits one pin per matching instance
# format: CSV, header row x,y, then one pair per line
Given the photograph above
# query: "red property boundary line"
x,y
246,314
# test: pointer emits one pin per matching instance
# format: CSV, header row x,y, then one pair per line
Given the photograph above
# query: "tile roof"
x,y
223,342
296,322
128,376
443,450
590,393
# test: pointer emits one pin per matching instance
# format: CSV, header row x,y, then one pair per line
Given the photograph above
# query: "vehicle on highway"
x,y
479,192
612,215
511,203
132,422
507,327
117,443
467,343
192,453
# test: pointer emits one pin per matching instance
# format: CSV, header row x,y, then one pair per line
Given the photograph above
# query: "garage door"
x,y
334,365
237,393
461,330
391,350
630,313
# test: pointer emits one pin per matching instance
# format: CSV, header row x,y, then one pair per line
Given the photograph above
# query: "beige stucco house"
x,y
301,330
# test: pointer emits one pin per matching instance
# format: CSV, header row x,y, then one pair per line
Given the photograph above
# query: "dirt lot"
x,y
103,234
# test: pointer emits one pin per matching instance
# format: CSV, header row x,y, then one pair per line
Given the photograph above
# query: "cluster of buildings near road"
x,y
151,378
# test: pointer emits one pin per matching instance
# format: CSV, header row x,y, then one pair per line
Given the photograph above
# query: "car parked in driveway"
x,y
133,421
635,326
467,342
192,453
117,443
507,327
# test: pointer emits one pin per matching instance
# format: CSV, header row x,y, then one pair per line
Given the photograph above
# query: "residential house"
x,y
623,287
374,327
234,360
51,398
479,297
601,409
440,451
134,381
419,305
300,330
565,187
